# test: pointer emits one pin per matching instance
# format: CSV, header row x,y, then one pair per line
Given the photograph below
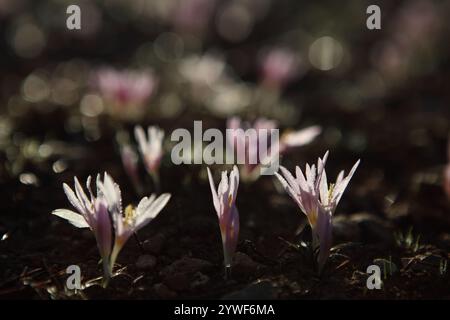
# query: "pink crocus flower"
x,y
192,16
103,214
317,200
224,200
125,91
287,141
279,67
130,161
151,149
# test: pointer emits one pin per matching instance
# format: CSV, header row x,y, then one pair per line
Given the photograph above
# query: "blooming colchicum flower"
x,y
287,141
130,161
317,200
151,149
224,200
125,92
103,214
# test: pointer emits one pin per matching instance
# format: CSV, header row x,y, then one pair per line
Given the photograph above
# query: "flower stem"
x,y
156,181
227,273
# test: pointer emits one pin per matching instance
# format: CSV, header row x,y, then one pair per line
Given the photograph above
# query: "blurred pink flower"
x,y
125,91
286,142
224,201
130,161
150,148
317,200
103,214
279,67
193,16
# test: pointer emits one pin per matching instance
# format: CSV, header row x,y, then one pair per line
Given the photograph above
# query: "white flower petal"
x,y
300,137
155,208
213,191
74,218
73,199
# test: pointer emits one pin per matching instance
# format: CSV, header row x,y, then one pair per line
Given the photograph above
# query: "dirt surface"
x,y
394,213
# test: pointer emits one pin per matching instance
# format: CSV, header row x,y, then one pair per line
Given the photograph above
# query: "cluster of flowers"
x,y
104,215
112,226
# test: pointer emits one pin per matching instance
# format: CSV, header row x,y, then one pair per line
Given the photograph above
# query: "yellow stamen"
x,y
130,214
330,192
230,200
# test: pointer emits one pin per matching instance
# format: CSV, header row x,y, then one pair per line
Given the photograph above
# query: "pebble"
x,y
145,262
199,280
364,227
186,265
244,265
177,282
163,292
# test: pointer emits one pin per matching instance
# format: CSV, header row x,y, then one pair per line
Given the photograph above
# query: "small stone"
x,y
186,265
164,292
373,229
145,262
177,282
155,244
345,230
199,280
243,265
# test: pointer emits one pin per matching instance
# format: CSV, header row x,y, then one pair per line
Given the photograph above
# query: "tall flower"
x,y
103,214
151,149
130,161
224,200
125,91
317,200
287,141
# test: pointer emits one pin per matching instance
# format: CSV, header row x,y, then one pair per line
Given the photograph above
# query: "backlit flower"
x,y
103,214
287,141
224,200
125,92
317,200
130,162
150,148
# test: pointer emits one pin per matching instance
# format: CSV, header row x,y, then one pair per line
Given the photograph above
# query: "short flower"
x,y
103,214
317,200
130,161
224,200
125,91
287,141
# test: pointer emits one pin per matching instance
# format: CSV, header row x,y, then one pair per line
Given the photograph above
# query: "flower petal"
x,y
74,218
300,137
73,199
151,211
342,184
213,191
